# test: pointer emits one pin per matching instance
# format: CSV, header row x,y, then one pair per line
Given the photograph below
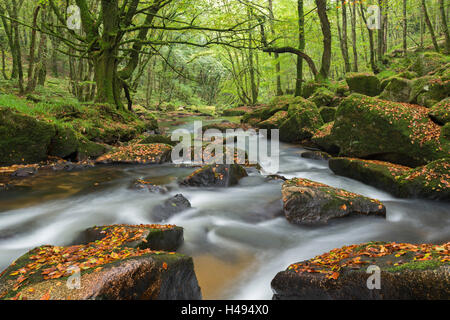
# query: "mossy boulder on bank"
x,y
310,87
308,202
65,143
324,139
24,139
398,90
327,113
218,175
156,153
364,83
120,263
303,121
430,182
428,62
158,138
429,90
322,97
407,271
440,112
274,121
371,128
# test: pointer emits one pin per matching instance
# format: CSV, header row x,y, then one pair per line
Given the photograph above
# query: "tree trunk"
x,y
31,63
430,26
354,46
344,37
326,31
371,42
444,26
405,27
277,56
301,47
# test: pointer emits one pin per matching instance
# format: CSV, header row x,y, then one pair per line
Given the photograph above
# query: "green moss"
x,y
322,97
327,114
364,83
398,90
440,112
158,138
416,265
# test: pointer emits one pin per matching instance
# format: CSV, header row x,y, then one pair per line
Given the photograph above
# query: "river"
x,y
237,236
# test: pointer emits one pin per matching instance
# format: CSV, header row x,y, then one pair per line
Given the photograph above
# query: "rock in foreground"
x,y
308,202
407,271
218,175
121,264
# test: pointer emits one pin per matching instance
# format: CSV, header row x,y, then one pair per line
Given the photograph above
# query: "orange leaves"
x,y
164,265
354,256
56,262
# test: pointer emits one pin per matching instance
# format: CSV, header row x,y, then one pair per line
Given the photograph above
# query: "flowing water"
x,y
237,236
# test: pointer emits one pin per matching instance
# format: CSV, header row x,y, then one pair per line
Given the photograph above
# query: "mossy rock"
x,y
310,87
428,62
398,90
307,202
445,131
91,150
217,175
364,83
273,122
440,112
65,143
120,262
327,114
303,121
342,89
322,97
367,127
429,182
429,90
156,153
158,138
24,138
407,272
324,139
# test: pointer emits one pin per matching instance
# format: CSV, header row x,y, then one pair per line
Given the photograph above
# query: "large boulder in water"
x,y
111,268
303,120
431,181
215,175
396,132
170,207
307,202
407,271
364,83
155,153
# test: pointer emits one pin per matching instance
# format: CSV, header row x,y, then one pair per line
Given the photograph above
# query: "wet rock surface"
x,y
407,271
170,207
117,265
219,175
307,202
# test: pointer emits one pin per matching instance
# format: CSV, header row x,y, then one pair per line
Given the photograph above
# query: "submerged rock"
x,y
143,185
308,202
315,155
364,83
430,182
407,271
383,130
218,175
24,172
121,264
156,153
170,207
